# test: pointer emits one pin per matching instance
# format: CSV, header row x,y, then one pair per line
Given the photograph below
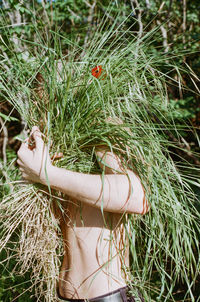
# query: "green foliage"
x,y
13,285
184,108
178,30
8,173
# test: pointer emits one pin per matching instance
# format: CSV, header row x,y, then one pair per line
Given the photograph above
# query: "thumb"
x,y
37,137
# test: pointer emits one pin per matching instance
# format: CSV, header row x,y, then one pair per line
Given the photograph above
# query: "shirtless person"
x,y
93,264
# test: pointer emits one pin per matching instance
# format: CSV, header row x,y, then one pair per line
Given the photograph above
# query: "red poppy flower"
x,y
96,71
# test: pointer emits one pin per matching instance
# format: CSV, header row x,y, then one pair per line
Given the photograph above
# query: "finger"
x,y
25,176
57,156
22,150
19,162
37,137
34,128
33,131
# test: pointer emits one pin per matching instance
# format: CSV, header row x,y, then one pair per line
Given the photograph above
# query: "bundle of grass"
x,y
108,94
28,214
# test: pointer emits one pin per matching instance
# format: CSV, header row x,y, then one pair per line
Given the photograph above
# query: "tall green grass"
x,y
77,113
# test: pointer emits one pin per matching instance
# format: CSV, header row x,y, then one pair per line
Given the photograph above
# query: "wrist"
x,y
46,175
59,179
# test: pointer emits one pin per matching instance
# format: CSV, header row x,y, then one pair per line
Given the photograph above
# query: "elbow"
x,y
132,198
145,205
134,205
138,202
139,206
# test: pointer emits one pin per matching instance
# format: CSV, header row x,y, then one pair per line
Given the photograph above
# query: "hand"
x,y
109,161
33,158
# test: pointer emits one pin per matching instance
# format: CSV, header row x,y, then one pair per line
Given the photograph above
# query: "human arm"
x,y
117,192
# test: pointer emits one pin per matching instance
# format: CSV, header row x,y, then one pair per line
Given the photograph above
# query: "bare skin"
x,y
92,264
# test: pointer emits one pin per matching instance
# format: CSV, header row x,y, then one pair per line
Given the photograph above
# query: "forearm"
x,y
116,192
119,191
